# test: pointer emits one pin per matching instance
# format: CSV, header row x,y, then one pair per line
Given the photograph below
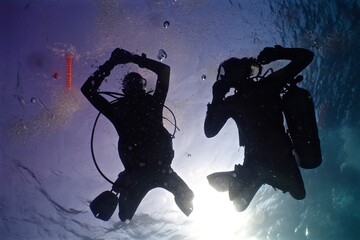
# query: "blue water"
x,y
48,178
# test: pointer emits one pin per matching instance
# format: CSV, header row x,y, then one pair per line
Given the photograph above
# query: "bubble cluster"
x,y
50,119
161,55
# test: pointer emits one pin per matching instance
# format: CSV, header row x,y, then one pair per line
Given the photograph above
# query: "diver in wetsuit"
x,y
256,107
145,146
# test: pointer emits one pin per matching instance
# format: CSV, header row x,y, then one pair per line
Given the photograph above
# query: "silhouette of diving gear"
x,y
144,146
257,108
105,204
298,110
134,185
116,96
301,122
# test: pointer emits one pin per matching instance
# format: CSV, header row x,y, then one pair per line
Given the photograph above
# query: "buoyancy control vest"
x,y
301,123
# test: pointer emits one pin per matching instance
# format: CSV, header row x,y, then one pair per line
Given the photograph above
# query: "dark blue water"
x,y
48,178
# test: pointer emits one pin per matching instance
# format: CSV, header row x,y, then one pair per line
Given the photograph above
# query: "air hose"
x,y
116,96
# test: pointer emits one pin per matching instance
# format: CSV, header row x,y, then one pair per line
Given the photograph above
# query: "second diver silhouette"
x,y
144,146
271,155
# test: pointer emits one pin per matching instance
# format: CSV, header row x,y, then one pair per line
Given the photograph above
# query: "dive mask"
x,y
248,67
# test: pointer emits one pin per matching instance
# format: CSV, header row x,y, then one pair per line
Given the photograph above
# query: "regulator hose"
x,y
116,96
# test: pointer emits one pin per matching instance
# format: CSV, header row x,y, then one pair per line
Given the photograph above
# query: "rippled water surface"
x,y
48,177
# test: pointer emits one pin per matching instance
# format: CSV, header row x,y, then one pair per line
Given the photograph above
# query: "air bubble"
x,y
161,55
38,101
166,24
203,77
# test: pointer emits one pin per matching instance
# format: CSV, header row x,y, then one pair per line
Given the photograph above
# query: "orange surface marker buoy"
x,y
69,61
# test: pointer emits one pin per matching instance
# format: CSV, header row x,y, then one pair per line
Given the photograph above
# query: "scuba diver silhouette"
x,y
272,153
144,146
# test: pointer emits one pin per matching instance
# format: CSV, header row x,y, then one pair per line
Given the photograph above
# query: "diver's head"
x,y
133,84
236,69
239,72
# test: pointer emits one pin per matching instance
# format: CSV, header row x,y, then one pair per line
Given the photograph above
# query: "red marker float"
x,y
69,60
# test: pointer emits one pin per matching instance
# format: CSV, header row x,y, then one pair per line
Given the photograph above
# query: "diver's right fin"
x,y
221,181
242,197
241,183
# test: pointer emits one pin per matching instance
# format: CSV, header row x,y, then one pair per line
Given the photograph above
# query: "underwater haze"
x,y
48,177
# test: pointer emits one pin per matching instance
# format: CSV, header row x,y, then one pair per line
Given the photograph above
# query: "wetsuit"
x,y
268,150
144,146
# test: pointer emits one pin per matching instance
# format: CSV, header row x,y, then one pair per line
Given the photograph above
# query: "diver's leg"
x,y
245,184
182,193
286,177
129,201
133,190
244,196
296,186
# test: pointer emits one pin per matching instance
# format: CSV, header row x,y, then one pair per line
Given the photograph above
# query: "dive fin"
x,y
243,196
221,180
241,184
184,202
104,205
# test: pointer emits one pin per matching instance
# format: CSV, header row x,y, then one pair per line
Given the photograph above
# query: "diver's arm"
x,y
299,58
92,84
215,119
216,115
162,71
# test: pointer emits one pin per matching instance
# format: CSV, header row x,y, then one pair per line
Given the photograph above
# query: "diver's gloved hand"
x,y
269,54
220,89
121,56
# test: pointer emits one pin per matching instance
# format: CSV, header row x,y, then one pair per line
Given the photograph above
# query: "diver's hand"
x,y
121,56
140,60
220,89
269,54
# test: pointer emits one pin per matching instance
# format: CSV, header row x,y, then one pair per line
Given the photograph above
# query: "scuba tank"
x,y
301,122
